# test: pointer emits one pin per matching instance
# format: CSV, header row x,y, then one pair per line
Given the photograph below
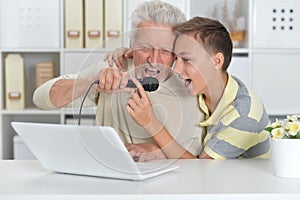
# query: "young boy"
x,y
235,116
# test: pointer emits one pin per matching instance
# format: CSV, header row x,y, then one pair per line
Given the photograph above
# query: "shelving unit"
x,y
251,63
65,61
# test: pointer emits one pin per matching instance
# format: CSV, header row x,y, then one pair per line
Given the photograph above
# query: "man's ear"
x,y
218,60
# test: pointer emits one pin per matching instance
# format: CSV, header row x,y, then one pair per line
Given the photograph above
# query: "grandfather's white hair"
x,y
157,12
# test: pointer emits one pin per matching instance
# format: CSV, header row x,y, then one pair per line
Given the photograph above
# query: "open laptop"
x,y
84,150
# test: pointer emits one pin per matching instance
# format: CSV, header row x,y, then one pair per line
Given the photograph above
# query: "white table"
x,y
195,179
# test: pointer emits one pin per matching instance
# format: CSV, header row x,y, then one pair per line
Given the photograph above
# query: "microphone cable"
x,y
149,84
85,95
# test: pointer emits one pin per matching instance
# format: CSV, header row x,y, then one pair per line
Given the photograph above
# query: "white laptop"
x,y
85,150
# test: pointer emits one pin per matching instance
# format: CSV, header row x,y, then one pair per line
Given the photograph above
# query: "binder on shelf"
x,y
44,72
93,23
14,82
73,23
113,23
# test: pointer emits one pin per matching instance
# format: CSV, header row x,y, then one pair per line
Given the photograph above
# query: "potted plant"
x,y
285,146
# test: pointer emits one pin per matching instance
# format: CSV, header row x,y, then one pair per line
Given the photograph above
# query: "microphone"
x,y
149,84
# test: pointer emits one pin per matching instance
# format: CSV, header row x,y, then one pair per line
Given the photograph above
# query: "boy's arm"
x,y
167,143
140,109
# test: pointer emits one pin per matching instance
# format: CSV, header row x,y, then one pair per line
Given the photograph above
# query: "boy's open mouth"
x,y
187,82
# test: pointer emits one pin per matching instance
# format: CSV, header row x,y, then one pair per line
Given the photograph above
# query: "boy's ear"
x,y
218,60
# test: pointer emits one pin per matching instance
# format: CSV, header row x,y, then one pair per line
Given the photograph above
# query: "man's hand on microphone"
x,y
112,80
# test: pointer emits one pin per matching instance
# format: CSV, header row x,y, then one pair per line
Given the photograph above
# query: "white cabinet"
x,y
276,24
266,59
275,79
30,24
240,67
276,54
35,29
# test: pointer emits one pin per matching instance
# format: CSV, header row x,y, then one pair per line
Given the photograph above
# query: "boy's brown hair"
x,y
211,34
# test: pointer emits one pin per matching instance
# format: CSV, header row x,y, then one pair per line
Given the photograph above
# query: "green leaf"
x,y
298,135
269,129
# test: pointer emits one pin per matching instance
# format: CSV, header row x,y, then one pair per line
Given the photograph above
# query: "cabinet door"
x,y
276,24
30,23
276,80
240,67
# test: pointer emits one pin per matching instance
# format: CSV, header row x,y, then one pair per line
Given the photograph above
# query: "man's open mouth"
x,y
152,72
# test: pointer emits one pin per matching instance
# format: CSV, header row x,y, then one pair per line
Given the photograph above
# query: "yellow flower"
x,y
275,124
292,118
277,133
288,128
293,127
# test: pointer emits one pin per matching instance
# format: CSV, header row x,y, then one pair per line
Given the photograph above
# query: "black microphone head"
x,y
150,84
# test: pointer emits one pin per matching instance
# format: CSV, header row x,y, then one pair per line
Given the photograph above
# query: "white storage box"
x,y
30,23
21,151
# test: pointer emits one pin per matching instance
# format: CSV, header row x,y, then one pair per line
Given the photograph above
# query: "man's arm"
x,y
64,91
41,95
61,91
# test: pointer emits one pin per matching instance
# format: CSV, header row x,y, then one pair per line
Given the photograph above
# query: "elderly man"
x,y
152,44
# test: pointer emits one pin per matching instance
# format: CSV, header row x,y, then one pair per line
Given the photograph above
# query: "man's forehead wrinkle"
x,y
158,34
154,44
161,38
